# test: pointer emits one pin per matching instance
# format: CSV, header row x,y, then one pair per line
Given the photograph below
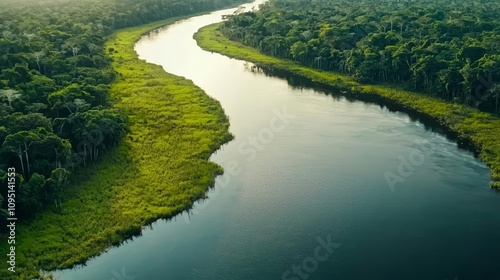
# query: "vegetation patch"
x,y
481,128
158,170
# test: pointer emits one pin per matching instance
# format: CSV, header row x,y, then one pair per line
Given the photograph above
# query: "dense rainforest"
x,y
55,115
449,49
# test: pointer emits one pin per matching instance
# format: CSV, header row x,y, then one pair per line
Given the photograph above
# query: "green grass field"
x,y
159,169
482,129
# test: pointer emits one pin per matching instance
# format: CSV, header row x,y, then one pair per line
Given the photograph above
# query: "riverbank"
x,y
481,129
159,170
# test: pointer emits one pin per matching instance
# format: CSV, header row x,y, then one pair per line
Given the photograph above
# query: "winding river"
x,y
316,187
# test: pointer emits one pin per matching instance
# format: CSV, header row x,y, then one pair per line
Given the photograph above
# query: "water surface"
x,y
398,200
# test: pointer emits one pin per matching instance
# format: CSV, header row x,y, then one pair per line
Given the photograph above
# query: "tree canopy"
x,y
55,115
445,48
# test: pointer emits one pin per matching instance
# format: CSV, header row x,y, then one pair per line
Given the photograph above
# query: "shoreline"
x,y
159,170
472,129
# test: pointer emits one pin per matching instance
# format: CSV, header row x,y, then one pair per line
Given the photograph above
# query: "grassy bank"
x,y
159,169
482,129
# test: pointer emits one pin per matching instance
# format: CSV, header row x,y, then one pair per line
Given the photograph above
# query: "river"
x,y
316,187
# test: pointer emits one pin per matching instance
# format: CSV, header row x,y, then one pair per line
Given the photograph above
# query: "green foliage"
x,y
446,49
51,69
56,75
158,170
30,195
483,129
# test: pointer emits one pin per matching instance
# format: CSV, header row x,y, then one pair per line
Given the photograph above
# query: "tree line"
x,y
55,114
449,49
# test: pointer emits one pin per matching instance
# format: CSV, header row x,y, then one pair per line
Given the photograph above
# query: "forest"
x,y
59,114
447,49
465,106
79,113
55,114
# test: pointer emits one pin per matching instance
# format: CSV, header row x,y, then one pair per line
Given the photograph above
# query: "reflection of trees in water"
x,y
294,81
339,93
